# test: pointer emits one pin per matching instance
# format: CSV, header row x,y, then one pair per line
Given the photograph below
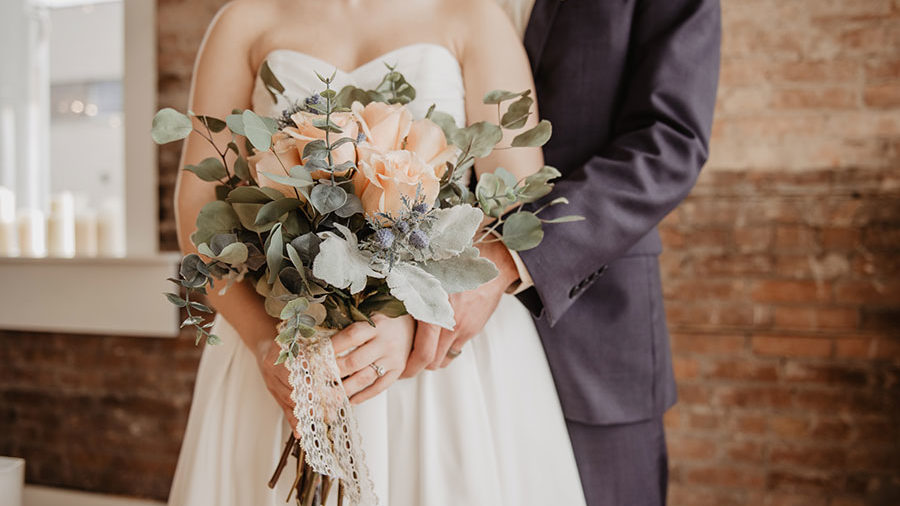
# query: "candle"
x,y
61,226
9,243
111,230
86,233
32,233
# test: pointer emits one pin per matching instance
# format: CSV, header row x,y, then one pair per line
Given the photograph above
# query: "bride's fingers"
x,y
424,346
351,337
448,337
360,358
380,385
359,381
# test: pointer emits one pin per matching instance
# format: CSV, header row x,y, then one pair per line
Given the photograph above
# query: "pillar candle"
x,y
61,226
9,243
111,231
86,233
32,233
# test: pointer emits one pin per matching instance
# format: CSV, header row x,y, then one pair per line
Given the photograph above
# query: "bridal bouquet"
x,y
342,207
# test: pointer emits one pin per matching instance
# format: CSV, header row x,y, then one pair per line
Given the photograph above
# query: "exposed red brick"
x,y
792,346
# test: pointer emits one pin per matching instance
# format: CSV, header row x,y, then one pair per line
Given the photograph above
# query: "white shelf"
x,y
116,296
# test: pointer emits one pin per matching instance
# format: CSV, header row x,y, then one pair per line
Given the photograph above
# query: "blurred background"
x,y
781,277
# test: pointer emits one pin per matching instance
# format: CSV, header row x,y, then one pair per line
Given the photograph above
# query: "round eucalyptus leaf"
x,y
497,96
275,209
326,198
209,169
522,231
242,168
534,137
257,131
170,125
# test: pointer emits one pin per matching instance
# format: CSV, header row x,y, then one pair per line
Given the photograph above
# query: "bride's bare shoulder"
x,y
478,22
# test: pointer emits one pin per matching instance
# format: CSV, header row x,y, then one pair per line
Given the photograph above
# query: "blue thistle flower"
x,y
315,99
402,226
384,238
420,208
360,137
418,239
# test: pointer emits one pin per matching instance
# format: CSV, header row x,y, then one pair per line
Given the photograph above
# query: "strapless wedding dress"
x,y
485,431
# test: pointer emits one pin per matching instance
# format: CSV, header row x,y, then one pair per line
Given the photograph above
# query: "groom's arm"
x,y
659,143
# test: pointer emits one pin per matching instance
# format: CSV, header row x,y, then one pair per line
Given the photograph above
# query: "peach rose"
x,y
304,132
265,161
385,178
385,125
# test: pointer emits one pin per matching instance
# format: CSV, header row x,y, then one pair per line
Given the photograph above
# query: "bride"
x,y
485,430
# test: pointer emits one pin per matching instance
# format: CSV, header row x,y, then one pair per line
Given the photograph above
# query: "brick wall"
x,y
782,284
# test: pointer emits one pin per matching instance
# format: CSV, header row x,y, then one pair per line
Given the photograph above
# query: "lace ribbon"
x,y
328,430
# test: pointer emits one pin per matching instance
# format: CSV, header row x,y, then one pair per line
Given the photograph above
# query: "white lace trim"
x,y
328,430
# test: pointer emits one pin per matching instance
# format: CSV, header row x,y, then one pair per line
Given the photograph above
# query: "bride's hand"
x,y
387,346
276,378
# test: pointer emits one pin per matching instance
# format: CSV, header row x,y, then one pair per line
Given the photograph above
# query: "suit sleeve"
x,y
659,143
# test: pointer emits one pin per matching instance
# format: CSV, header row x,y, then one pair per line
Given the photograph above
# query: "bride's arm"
x,y
223,80
492,57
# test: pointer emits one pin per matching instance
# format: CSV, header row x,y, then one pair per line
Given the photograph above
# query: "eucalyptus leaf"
x,y
534,137
175,299
170,125
247,215
565,219
326,198
538,184
352,206
257,131
214,124
480,138
193,271
383,303
274,210
216,217
421,294
296,182
248,195
341,263
294,256
307,246
233,254
498,96
235,123
209,169
315,149
274,254
272,84
242,169
517,114
295,307
522,231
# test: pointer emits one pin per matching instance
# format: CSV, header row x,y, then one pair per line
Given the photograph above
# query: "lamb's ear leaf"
x,y
466,271
421,294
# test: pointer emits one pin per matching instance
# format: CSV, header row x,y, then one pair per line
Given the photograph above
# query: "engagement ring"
x,y
378,369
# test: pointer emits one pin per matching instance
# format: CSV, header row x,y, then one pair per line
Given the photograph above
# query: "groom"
x,y
630,87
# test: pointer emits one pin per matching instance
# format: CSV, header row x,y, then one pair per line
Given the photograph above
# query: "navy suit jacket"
x,y
630,87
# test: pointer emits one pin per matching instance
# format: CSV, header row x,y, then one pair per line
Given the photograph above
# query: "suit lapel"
x,y
538,29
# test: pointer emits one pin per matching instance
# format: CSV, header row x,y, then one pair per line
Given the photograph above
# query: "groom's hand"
x,y
472,310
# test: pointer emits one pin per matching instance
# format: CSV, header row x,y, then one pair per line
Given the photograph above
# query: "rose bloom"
x,y
265,161
304,132
398,158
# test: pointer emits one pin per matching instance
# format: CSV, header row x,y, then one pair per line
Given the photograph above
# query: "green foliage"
x,y
522,231
209,169
326,198
272,84
170,125
272,211
258,132
517,113
534,137
216,217
274,255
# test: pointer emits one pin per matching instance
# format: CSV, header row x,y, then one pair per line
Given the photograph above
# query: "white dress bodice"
x,y
431,69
